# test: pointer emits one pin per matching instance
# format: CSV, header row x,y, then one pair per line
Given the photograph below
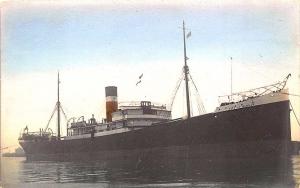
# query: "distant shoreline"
x,y
13,155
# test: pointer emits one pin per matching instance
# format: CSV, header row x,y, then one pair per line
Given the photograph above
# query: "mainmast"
x,y
186,72
187,77
58,108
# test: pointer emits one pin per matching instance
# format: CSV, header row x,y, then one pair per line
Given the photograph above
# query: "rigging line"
x,y
198,95
195,95
7,147
198,106
256,69
176,90
4,148
294,113
295,95
51,117
63,112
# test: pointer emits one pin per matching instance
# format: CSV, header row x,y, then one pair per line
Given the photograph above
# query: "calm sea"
x,y
17,172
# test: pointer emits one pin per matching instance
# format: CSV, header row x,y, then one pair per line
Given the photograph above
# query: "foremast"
x,y
57,109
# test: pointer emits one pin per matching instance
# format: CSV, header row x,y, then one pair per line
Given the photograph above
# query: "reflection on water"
x,y
18,171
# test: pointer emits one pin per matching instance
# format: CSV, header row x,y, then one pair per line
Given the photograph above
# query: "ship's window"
x,y
149,111
145,103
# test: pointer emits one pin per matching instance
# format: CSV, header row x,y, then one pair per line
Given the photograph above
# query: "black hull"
x,y
257,132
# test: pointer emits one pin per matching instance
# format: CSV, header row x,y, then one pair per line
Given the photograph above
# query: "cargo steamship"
x,y
253,124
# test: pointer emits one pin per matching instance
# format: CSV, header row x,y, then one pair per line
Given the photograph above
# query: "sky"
x,y
94,45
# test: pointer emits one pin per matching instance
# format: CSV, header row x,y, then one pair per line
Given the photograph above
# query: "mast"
x,y
186,72
58,108
231,76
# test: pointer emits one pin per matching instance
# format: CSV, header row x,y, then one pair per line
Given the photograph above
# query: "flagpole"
x,y
186,72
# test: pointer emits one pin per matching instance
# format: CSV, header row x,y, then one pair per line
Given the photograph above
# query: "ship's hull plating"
x,y
252,133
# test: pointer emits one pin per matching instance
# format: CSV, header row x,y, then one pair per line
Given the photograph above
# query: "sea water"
x,y
17,172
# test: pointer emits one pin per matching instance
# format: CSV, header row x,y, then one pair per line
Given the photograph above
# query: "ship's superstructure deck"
x,y
128,117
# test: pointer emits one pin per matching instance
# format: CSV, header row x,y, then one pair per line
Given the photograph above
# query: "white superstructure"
x,y
128,117
144,114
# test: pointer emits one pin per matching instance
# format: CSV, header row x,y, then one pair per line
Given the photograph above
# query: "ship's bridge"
x,y
143,113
